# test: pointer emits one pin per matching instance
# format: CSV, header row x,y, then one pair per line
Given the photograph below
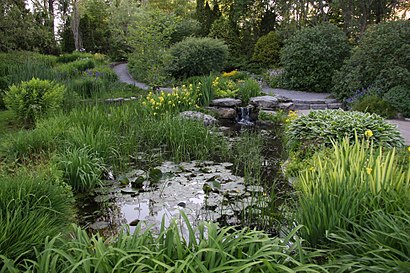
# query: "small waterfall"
x,y
243,117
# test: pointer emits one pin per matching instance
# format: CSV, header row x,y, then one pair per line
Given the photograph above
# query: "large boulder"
x,y
208,120
226,102
265,102
223,112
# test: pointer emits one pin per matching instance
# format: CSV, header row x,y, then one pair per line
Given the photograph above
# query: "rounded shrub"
x,y
267,50
35,98
33,205
382,57
374,104
197,56
185,28
320,127
399,98
311,57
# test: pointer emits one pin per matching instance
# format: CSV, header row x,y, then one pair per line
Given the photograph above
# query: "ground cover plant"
x,y
319,127
315,131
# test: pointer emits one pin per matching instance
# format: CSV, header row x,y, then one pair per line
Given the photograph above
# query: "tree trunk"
x,y
75,25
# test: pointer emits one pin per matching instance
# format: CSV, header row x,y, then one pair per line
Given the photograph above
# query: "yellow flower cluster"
x,y
230,74
224,88
368,133
181,99
291,116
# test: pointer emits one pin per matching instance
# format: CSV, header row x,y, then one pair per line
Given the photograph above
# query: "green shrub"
x,y
149,39
34,204
72,57
382,57
197,56
374,104
185,28
82,169
311,57
150,68
319,127
248,89
399,98
34,99
274,78
348,187
267,50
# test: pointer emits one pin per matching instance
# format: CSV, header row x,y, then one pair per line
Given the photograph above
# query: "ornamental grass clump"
x,y
343,190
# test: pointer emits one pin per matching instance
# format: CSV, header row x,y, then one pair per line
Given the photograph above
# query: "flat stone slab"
x,y
223,112
286,106
226,102
193,115
334,105
310,101
265,102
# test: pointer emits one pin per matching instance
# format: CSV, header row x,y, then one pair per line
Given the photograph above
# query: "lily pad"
x,y
124,180
138,182
155,175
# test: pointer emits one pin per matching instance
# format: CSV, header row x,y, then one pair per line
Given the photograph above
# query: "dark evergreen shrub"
x,y
197,56
375,105
267,50
185,28
311,57
382,58
399,98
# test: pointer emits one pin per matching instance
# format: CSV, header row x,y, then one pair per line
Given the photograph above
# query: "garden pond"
x,y
221,192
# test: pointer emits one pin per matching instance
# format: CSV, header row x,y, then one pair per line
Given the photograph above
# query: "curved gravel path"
x,y
124,76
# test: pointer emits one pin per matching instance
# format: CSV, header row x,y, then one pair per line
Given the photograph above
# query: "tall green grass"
x,y
34,204
81,167
207,248
116,134
381,244
345,189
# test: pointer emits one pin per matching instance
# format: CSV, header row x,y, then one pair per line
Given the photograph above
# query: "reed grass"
x,y
34,204
206,248
345,189
382,244
82,168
